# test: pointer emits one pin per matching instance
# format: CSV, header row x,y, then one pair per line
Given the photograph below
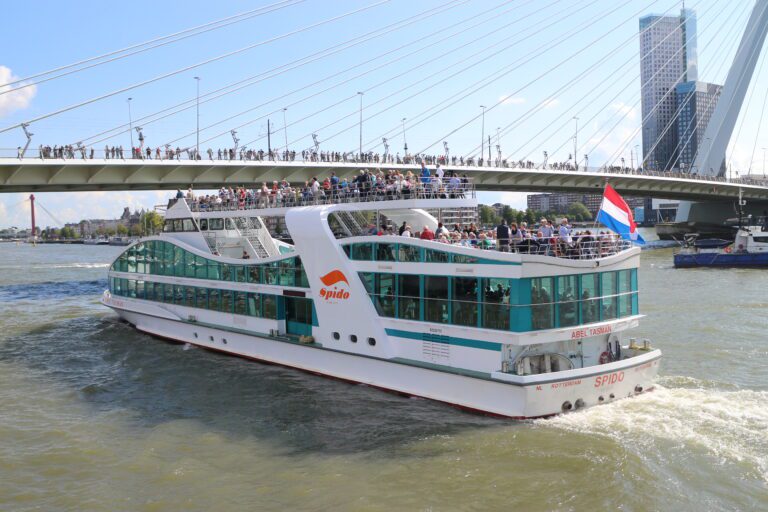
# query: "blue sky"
x,y
498,45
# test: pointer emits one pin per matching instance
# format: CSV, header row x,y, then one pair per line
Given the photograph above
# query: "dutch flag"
x,y
616,215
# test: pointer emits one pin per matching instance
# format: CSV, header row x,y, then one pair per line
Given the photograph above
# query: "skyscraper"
x,y
696,102
668,57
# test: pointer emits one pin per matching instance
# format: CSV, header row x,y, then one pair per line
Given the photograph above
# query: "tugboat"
x,y
748,249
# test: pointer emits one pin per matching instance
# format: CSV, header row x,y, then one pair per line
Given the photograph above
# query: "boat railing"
x,y
578,247
257,200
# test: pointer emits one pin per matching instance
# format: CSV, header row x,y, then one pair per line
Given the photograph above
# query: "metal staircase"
x,y
253,229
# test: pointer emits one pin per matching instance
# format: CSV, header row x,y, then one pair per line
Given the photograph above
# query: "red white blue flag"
x,y
617,216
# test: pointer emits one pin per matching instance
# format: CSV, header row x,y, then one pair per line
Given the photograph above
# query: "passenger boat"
x,y
749,248
527,333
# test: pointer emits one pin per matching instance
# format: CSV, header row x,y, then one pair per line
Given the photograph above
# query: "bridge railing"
x,y
117,153
254,199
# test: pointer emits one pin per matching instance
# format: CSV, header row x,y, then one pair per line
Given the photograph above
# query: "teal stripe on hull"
x,y
450,340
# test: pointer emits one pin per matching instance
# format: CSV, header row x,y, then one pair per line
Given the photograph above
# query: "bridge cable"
x,y
411,20
553,68
137,48
193,66
530,112
217,93
486,80
406,71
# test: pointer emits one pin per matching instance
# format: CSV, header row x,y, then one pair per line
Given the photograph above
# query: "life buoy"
x,y
728,250
605,357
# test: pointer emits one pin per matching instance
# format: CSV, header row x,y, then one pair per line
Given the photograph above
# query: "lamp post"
x,y
482,133
575,144
637,153
197,144
361,124
405,143
285,127
764,162
130,123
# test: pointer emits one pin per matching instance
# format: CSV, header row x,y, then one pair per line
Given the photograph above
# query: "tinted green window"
x,y
240,273
269,306
432,256
385,251
214,299
408,297
609,301
254,304
301,276
542,307
178,295
368,281
385,294
590,305
190,297
254,274
496,294
465,306
409,253
567,301
624,289
201,298
240,303
131,288
227,301
362,252
226,272
201,267
287,275
436,299
461,258
178,261
271,273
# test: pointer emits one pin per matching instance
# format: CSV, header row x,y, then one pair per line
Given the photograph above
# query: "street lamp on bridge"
x,y
482,133
197,143
405,143
130,123
361,123
285,127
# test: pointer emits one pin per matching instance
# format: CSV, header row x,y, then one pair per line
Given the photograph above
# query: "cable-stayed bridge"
x,y
469,51
52,175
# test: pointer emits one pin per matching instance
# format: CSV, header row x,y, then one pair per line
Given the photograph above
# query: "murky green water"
x,y
95,416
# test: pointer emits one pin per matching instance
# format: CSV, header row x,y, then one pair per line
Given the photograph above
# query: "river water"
x,y
96,416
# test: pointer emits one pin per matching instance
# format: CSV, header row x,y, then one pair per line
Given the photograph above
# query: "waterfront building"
x,y
668,57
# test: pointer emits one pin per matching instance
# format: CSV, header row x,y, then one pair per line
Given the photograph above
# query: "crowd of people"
x,y
367,185
546,238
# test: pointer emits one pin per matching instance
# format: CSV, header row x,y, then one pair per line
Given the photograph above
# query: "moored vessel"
x,y
533,331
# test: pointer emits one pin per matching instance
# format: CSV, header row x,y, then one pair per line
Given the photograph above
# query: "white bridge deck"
x,y
52,175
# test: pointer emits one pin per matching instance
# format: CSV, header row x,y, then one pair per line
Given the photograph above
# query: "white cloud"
x,y
551,103
511,100
16,100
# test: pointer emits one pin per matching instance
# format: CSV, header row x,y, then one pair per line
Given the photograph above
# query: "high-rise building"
x,y
695,102
668,57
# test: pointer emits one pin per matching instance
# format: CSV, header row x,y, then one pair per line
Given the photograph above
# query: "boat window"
x,y
542,309
433,256
254,304
760,239
409,301
203,224
624,291
496,294
409,253
608,288
229,224
436,305
215,224
567,301
188,225
177,225
385,252
465,304
589,304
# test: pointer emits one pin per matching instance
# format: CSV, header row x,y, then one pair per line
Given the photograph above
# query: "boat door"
x,y
298,316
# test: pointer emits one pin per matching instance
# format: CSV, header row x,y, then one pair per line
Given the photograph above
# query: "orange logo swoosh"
x,y
333,277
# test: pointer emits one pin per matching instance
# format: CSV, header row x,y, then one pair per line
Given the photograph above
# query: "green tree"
x,y
122,230
579,213
487,215
151,223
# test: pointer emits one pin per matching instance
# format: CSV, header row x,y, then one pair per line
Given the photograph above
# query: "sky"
x,y
534,64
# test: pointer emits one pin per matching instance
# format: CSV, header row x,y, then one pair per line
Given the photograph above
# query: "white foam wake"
x,y
729,425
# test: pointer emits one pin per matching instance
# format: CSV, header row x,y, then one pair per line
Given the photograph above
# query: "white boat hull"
x,y
500,394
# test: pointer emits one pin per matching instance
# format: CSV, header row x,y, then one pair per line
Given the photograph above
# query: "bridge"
x,y
57,175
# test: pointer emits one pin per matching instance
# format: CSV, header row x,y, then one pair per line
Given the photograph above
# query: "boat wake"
x,y
728,425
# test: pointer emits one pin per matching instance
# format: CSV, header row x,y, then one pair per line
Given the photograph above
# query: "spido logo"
x,y
331,292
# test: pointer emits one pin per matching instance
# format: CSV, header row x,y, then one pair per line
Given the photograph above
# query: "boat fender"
x,y
728,250
605,357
